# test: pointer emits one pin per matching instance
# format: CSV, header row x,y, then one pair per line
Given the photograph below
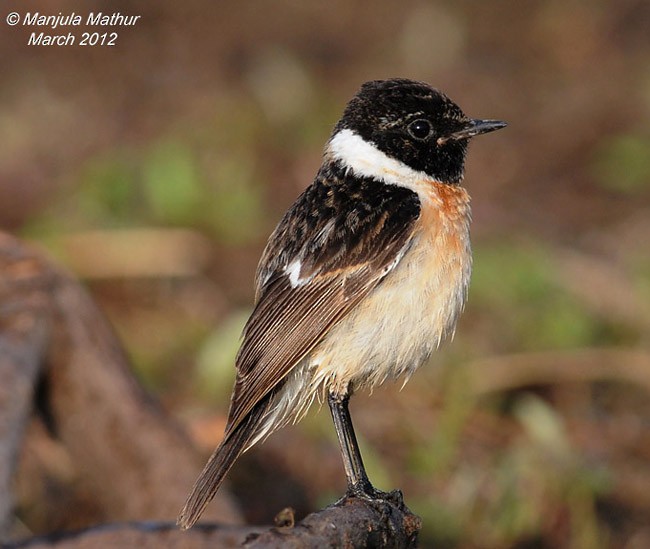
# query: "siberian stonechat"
x,y
363,277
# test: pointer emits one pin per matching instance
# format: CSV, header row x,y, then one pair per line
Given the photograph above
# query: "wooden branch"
x,y
135,461
24,317
350,523
143,535
109,423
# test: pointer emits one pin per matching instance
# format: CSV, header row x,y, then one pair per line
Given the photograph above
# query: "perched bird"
x,y
363,277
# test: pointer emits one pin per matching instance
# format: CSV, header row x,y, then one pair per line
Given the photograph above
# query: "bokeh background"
x,y
155,170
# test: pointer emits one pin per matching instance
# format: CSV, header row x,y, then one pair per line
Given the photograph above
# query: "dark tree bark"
x,y
351,523
24,330
133,459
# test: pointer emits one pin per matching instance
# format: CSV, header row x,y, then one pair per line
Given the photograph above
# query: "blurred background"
x,y
155,169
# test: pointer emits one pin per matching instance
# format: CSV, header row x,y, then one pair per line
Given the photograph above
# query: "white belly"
x,y
399,324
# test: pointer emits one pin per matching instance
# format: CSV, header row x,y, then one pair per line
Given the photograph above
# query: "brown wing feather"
x,y
286,340
359,229
347,235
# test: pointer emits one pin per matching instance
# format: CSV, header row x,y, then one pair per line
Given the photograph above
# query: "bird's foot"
x,y
366,491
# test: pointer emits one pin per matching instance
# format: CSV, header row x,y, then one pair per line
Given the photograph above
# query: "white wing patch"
x,y
293,272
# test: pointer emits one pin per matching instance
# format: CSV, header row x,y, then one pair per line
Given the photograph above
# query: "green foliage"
x,y
171,184
107,196
215,370
497,503
235,209
437,455
168,184
622,164
514,285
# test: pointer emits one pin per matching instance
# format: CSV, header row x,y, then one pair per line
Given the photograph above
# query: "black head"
x,y
416,124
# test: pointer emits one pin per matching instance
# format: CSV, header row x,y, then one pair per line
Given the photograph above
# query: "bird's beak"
x,y
472,128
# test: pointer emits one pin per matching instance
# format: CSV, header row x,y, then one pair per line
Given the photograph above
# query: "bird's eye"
x,y
420,129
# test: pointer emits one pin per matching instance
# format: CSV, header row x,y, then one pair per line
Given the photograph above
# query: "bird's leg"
x,y
358,483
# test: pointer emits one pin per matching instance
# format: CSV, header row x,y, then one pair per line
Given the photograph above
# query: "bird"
x,y
361,280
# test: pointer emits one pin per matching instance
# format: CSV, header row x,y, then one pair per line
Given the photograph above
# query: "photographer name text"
x,y
60,21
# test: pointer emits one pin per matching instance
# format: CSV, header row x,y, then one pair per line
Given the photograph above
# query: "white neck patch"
x,y
366,160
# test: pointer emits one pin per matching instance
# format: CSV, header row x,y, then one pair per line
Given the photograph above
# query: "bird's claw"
x,y
369,493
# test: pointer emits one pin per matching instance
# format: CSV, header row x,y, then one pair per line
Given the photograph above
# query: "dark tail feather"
x,y
217,467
